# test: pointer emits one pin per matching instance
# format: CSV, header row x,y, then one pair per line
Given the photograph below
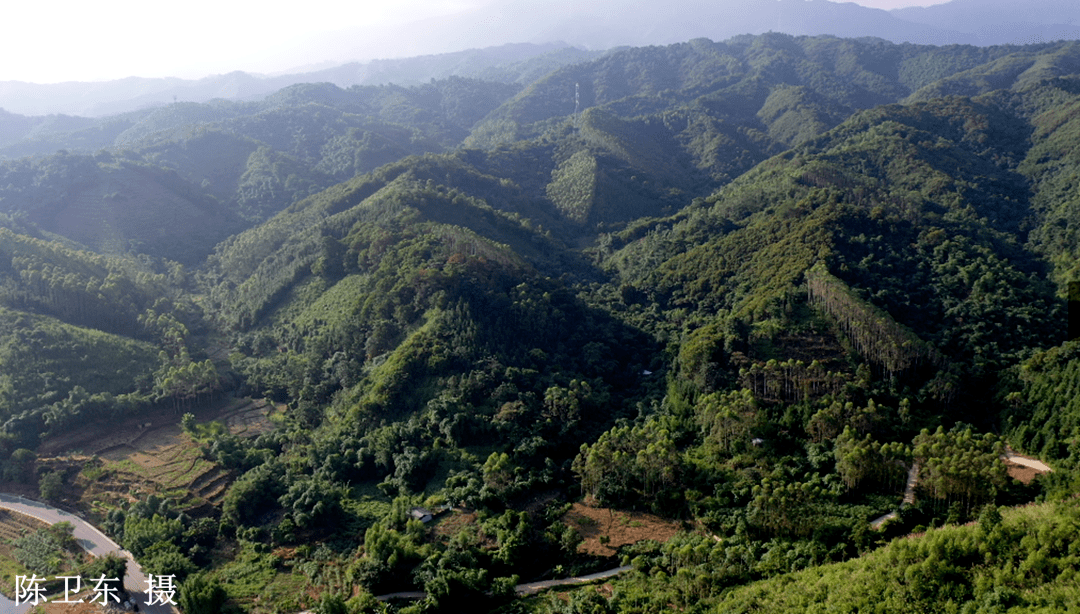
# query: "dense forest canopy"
x,y
755,287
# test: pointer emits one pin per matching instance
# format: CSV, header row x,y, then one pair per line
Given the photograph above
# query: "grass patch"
x,y
287,592
129,466
9,568
248,575
207,432
93,472
364,506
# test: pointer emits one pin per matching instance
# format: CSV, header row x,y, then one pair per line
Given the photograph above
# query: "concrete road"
x,y
1026,461
94,541
909,497
530,588
535,587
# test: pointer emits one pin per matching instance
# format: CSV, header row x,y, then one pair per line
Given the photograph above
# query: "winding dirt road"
x,y
913,476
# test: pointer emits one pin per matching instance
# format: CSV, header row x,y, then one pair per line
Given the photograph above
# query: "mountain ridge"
x,y
524,36
748,285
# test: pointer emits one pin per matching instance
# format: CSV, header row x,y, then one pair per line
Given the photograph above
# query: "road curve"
x,y
93,541
909,497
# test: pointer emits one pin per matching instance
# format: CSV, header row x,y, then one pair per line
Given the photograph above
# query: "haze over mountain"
x,y
765,289
525,30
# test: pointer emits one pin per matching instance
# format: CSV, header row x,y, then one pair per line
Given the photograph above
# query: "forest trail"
x,y
909,497
913,476
909,488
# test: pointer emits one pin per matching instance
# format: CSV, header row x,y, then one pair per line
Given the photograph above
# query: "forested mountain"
x,y
752,286
506,63
515,41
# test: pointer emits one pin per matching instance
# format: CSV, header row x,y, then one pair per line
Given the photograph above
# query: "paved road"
x,y
523,589
909,497
536,587
1027,462
94,541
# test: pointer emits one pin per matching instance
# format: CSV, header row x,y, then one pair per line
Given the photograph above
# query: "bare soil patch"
x,y
1021,472
618,527
14,524
151,431
449,524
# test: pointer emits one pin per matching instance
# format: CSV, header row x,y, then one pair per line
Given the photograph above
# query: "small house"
x,y
422,514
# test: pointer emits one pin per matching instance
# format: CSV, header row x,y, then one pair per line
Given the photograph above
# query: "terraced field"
x,y
125,462
12,526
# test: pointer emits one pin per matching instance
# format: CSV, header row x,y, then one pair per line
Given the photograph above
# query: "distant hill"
x,y
522,42
746,285
995,22
505,63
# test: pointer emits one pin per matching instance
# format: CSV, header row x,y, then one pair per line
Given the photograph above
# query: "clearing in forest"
x,y
605,529
107,464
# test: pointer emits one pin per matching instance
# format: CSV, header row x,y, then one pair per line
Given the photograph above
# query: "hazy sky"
x,y
48,41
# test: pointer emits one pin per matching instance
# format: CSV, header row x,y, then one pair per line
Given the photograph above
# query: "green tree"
x,y
111,567
20,467
200,595
51,485
141,533
331,604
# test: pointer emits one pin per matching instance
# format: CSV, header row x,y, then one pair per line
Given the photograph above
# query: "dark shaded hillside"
x,y
87,337
752,286
115,206
248,272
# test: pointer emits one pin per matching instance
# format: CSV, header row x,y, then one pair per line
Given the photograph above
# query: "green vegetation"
x,y
47,551
1012,560
749,286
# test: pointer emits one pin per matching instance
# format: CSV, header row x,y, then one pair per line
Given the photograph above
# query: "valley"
x,y
698,312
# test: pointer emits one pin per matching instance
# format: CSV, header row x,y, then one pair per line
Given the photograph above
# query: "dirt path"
x,y
913,476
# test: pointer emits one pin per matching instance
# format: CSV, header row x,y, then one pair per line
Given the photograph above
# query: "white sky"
x,y
48,41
